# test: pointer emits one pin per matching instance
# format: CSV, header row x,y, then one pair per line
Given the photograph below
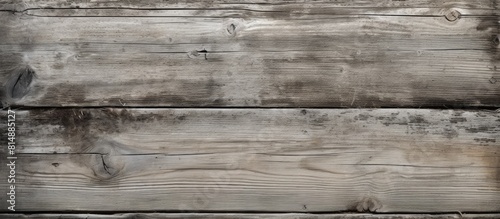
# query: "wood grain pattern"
x,y
233,65
255,216
261,54
414,7
241,160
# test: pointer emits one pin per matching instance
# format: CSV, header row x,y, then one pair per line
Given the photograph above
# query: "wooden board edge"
x,y
257,215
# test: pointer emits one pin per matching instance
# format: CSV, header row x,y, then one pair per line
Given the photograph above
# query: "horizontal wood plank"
x,y
414,7
255,216
237,54
241,160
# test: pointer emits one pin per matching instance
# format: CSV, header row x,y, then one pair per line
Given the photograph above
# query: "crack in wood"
x,y
105,166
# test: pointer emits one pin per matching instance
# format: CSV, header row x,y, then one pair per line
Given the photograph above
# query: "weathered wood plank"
x,y
415,6
255,216
285,160
321,54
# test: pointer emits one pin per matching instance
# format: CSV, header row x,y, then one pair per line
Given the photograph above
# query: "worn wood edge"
x,y
23,5
457,215
316,12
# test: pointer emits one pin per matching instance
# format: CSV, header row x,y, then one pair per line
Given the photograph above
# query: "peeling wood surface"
x,y
260,54
277,160
256,216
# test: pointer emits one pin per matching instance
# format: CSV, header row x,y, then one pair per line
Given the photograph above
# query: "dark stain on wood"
x,y
480,129
319,120
424,99
84,131
489,24
179,92
76,128
392,119
417,119
485,140
362,117
303,112
186,93
83,128
450,133
64,93
458,119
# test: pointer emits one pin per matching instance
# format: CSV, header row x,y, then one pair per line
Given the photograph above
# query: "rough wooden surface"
x,y
285,160
259,54
240,56
256,216
415,6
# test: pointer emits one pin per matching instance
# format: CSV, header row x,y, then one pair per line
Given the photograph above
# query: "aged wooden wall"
x,y
251,107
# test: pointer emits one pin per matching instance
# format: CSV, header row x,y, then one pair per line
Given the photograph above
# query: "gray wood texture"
x,y
240,54
242,160
255,216
181,106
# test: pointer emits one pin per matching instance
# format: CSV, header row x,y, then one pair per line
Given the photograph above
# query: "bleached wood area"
x,y
259,54
284,160
252,109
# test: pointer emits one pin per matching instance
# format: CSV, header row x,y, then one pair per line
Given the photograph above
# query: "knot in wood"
x,y
453,15
368,204
496,40
20,81
231,29
493,80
